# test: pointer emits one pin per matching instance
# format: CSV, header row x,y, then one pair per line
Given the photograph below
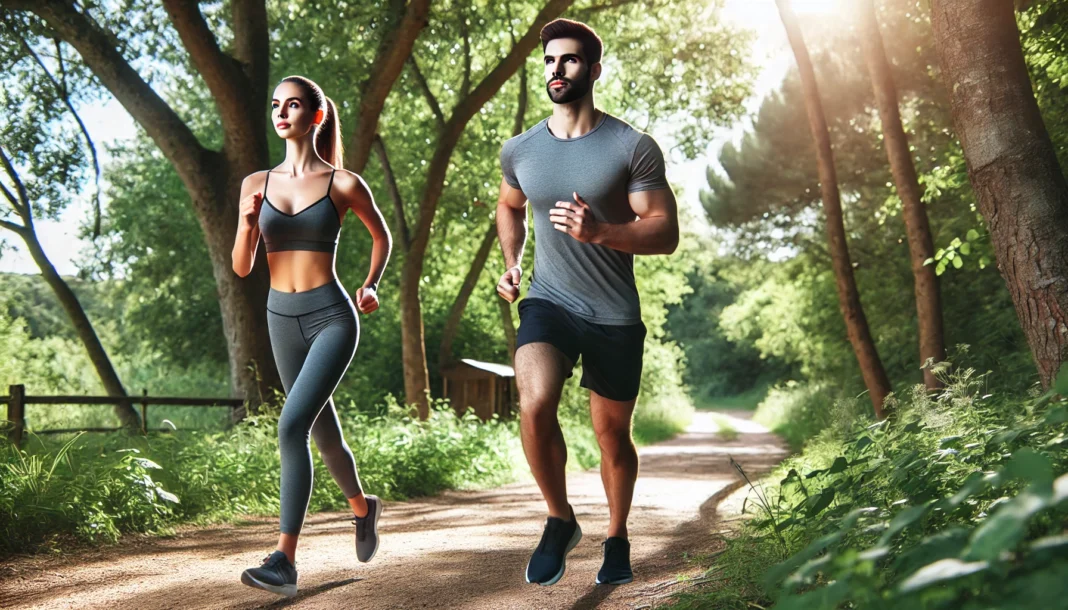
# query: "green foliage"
x,y
957,501
95,489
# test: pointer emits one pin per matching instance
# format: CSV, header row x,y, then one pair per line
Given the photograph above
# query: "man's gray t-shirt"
x,y
603,165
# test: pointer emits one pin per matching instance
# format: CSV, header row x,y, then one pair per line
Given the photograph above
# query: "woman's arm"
x,y
359,198
248,230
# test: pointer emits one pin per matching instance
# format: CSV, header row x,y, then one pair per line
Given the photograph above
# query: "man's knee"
x,y
539,407
615,439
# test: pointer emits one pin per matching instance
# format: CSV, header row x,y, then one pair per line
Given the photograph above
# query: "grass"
x,y
746,401
726,429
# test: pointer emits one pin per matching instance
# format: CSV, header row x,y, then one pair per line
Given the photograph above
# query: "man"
x,y
599,196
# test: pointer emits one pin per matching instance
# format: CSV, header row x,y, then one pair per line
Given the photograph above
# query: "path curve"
x,y
455,550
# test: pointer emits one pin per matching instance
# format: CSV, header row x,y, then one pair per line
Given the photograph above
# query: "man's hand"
x,y
575,219
508,287
366,299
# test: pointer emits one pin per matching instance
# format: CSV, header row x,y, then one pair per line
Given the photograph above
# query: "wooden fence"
x,y
17,400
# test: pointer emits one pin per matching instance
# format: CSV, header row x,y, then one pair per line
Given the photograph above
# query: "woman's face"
x,y
291,113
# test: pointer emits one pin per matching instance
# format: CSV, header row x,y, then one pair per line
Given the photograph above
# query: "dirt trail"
x,y
455,550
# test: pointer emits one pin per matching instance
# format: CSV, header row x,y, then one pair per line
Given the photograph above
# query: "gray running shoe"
x,y
367,530
276,575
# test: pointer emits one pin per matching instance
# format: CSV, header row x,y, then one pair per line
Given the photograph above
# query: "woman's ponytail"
x,y
328,138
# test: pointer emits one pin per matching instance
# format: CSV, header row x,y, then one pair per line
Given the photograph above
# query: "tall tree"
x,y
848,297
1019,184
452,323
236,79
917,227
450,129
50,154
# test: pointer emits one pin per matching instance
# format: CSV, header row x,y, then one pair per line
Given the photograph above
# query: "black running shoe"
x,y
548,562
276,575
367,530
616,567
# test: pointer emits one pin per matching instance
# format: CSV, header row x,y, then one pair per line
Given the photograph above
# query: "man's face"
x,y
568,78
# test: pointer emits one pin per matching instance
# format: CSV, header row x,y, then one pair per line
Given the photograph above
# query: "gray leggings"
x,y
313,335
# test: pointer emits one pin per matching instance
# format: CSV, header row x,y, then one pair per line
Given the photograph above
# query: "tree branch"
x,y
252,42
229,86
394,49
465,86
14,228
24,210
427,93
100,54
61,88
394,192
586,11
463,113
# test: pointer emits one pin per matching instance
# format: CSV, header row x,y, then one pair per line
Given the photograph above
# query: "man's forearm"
x,y
512,233
654,235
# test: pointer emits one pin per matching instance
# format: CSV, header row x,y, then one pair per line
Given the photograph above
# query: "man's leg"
x,y
619,458
540,371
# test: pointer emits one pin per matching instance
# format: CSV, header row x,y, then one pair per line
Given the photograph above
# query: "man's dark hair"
x,y
592,47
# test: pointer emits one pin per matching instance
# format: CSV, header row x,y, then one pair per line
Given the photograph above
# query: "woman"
x,y
313,327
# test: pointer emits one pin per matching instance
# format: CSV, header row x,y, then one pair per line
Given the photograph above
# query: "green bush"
x,y
955,501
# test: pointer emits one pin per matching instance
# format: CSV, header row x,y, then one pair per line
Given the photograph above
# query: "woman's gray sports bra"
x,y
314,228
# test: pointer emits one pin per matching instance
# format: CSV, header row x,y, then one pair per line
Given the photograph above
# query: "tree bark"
x,y
1019,185
456,312
871,366
416,378
212,179
917,227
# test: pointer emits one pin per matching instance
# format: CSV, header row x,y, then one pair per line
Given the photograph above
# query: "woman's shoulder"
x,y
349,182
256,177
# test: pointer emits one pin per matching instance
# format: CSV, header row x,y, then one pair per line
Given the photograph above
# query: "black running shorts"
x,y
611,355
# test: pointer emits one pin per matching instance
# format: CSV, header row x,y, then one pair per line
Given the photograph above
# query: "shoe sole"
x,y
563,563
286,590
374,531
621,581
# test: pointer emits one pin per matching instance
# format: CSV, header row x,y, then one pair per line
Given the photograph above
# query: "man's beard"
x,y
574,91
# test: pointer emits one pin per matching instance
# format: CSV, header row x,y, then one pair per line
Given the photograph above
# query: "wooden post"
x,y
144,412
16,413
493,398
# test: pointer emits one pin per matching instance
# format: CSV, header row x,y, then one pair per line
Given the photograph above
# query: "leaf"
x,y
1057,415
949,441
1029,465
940,572
166,495
972,235
1005,528
863,442
1060,383
839,465
958,262
902,520
965,248
821,502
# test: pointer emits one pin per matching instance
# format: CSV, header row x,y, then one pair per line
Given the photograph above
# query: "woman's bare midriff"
x,y
300,270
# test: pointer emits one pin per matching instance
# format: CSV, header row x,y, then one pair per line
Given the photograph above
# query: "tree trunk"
x,y
416,378
871,367
1018,183
239,91
456,313
413,343
84,328
921,246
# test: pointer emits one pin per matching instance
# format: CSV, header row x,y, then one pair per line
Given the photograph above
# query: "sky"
x,y
109,123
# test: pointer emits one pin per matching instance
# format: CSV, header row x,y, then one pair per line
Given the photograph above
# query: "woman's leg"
x,y
338,457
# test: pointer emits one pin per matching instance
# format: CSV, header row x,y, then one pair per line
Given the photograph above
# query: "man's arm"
x,y
512,233
655,232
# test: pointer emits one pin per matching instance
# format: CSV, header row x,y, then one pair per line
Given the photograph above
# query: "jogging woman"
x,y
297,208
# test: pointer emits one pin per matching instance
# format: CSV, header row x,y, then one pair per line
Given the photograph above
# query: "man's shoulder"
x,y
513,142
628,135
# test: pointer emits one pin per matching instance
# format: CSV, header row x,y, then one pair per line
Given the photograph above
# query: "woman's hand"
x,y
249,210
366,299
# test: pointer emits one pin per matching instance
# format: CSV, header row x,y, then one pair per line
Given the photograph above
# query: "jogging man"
x,y
599,197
